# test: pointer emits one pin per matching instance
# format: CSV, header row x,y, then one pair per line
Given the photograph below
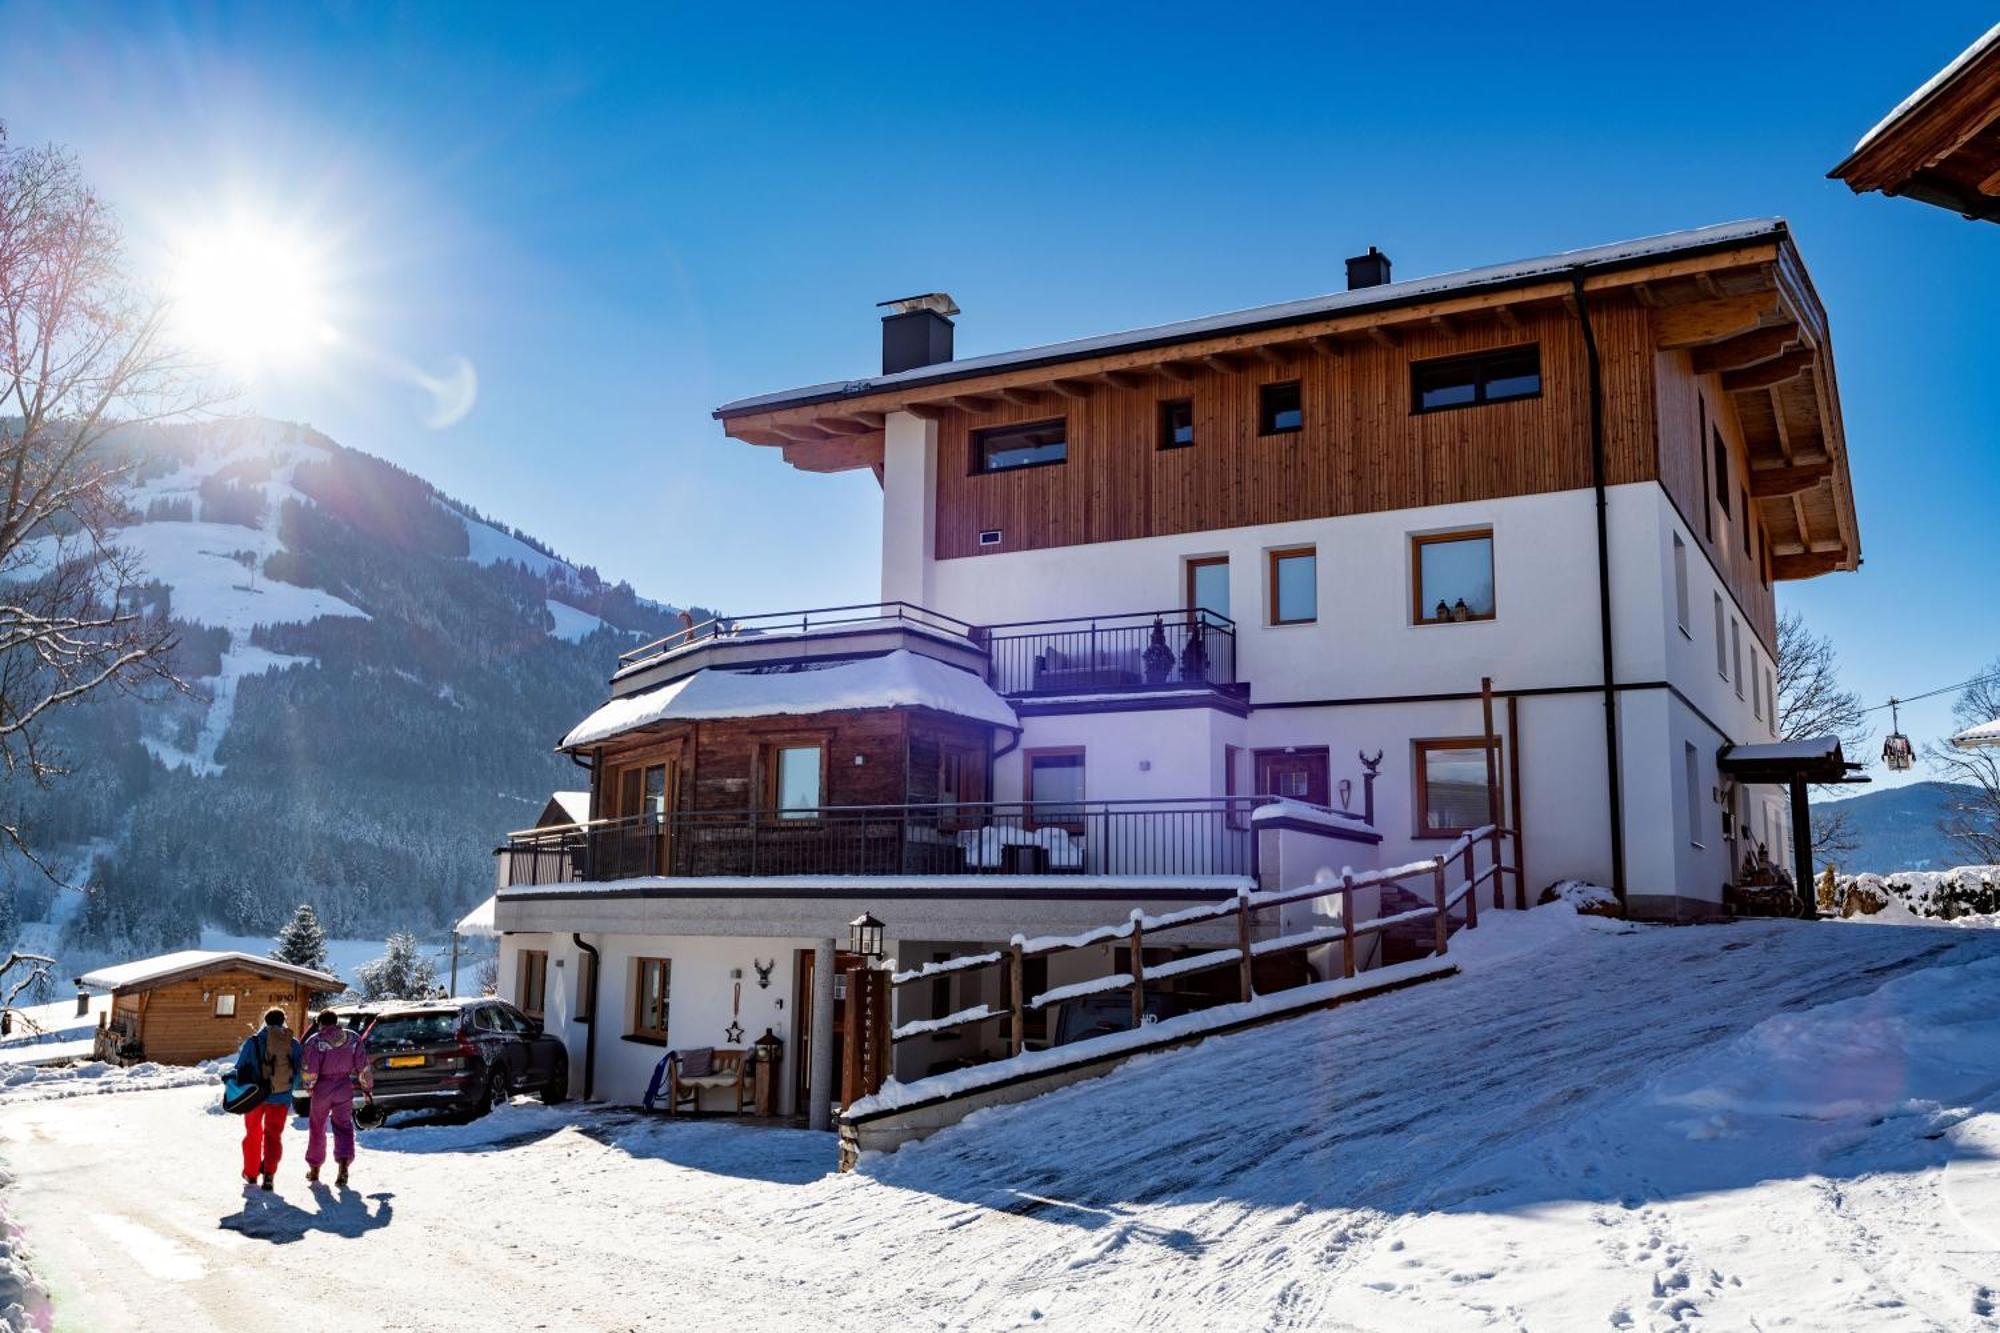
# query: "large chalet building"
x,y
1495,547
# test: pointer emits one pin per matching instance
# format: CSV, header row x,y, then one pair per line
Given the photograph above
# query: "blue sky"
x,y
623,219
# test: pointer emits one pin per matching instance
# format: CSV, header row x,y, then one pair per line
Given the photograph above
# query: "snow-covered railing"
x,y
860,615
1434,874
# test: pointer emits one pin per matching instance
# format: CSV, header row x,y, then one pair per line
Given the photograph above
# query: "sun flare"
x,y
251,296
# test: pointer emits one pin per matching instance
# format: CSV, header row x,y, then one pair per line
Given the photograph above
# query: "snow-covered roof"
x,y
574,804
1619,254
1985,735
1989,39
478,923
901,679
1785,752
144,972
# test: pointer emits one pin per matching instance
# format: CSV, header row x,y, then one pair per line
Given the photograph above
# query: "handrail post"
x,y
1244,979
1138,971
1016,972
1499,874
1437,899
1471,889
1347,925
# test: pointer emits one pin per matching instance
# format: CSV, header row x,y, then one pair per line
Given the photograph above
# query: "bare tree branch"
x,y
1972,812
1812,703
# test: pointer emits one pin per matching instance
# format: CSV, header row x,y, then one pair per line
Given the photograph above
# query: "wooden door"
x,y
1297,774
843,964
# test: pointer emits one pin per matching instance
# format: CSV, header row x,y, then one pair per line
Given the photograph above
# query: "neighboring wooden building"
x,y
180,1008
1941,146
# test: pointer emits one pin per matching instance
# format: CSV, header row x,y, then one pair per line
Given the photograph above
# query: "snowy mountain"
x,y
377,676
1896,829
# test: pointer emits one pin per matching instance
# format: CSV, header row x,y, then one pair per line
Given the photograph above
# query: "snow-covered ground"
x,y
1771,1124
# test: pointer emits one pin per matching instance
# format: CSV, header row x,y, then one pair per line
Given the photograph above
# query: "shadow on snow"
x,y
267,1215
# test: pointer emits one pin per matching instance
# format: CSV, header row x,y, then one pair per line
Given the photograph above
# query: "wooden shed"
x,y
181,1008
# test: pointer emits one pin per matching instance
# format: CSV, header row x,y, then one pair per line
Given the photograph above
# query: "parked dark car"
x,y
357,1017
465,1055
1095,1015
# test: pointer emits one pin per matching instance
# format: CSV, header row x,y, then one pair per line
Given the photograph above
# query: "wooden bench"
x,y
727,1071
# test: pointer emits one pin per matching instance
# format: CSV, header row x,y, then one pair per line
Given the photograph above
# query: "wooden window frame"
x,y
230,997
1422,803
1164,439
1419,612
1481,364
1272,558
1029,755
636,1028
532,963
980,435
1188,568
1267,416
768,751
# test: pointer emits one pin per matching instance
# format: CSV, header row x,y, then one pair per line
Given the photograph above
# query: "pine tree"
x,y
403,973
302,943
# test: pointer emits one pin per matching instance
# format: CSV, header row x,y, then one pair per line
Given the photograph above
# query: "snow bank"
x,y
24,1300
901,679
30,1083
1961,893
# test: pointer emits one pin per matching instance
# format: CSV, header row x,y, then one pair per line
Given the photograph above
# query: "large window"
x,y
642,790
1208,584
1453,573
1176,423
1055,786
532,982
1451,786
1467,381
796,776
1006,448
1294,580
651,986
1280,409
1681,610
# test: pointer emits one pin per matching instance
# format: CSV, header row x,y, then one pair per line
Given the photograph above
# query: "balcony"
x,y
1137,650
747,642
1163,838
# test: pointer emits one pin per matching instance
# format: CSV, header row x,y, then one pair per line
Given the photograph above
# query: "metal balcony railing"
x,y
1130,650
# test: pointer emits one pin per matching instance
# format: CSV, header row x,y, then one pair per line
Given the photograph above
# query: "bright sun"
x,y
249,295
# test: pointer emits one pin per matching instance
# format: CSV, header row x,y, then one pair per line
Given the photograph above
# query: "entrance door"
x,y
1301,773
843,963
645,796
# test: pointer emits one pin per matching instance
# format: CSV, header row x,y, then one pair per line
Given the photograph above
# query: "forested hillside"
x,y
376,677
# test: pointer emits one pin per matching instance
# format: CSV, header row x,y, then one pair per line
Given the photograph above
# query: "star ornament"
x,y
734,1032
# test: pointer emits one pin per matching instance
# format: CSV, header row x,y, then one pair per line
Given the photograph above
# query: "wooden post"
x,y
1514,794
1493,815
1472,889
1244,981
1437,899
1138,972
1347,926
1015,973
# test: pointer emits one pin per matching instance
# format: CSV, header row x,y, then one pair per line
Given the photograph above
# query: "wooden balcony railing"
x,y
1199,836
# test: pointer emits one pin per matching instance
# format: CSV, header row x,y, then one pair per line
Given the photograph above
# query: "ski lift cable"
x,y
1901,699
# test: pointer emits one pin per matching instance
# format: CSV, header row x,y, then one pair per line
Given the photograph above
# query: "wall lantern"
x,y
864,936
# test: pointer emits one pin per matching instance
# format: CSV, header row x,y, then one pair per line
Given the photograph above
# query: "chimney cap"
x,y
936,302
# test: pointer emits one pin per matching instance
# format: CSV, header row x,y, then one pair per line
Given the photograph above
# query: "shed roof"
x,y
1984,736
901,679
1815,759
146,973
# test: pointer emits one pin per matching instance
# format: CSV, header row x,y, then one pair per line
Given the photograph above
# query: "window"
x,y
1771,695
1208,584
795,773
1721,452
1294,586
1721,643
1055,787
1005,448
225,1004
651,979
1707,487
1280,409
1176,423
643,791
1681,585
532,979
1691,764
1453,574
585,1007
1756,687
1451,786
1467,381
1736,654
1239,811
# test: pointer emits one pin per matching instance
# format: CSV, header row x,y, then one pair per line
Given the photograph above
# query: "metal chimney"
x,y
1369,270
916,331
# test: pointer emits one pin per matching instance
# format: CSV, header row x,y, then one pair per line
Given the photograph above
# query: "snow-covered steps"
x,y
904,1112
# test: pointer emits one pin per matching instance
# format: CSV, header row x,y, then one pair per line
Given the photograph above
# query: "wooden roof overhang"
x,y
1745,312
1942,145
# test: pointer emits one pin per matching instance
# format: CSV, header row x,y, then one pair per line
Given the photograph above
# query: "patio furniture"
x,y
691,1072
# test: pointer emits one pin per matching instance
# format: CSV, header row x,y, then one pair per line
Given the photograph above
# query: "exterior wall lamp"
x,y
864,936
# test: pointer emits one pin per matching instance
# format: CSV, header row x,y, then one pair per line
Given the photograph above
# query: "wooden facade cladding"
x,y
176,1023
721,766
1943,146
1361,449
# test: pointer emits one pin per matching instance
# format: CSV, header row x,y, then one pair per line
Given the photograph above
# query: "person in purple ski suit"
x,y
336,1064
